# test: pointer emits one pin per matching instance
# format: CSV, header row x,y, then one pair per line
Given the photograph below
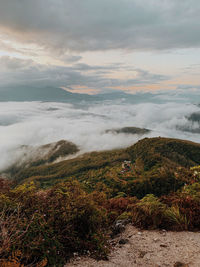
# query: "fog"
x,y
39,123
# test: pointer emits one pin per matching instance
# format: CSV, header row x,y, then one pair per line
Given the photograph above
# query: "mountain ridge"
x,y
57,94
151,159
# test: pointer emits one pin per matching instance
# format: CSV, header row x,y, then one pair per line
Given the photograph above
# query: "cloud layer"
x,y
37,123
102,25
16,71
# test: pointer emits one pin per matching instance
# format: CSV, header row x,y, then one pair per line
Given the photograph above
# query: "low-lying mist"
x,y
39,123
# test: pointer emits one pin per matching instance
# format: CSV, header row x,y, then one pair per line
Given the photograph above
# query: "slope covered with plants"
x,y
50,212
153,165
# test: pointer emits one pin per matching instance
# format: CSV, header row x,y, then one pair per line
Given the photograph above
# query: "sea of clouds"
x,y
39,123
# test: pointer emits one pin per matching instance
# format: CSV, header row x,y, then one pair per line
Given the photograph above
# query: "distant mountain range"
x,y
53,94
56,94
24,93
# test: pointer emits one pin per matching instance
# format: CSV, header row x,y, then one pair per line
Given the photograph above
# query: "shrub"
x,y
117,206
175,220
187,203
125,216
149,212
50,225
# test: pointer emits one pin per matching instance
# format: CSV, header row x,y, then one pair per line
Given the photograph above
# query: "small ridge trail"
x,y
145,248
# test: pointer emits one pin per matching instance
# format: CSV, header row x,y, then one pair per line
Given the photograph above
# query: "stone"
x,y
75,254
180,264
142,254
123,241
163,245
118,228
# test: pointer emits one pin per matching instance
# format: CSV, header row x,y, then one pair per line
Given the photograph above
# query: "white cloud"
x,y
36,123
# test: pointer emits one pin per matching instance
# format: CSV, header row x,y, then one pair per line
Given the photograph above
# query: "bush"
x,y
118,206
187,203
149,213
175,220
49,226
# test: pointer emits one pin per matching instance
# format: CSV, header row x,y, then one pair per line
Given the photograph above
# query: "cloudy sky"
x,y
93,46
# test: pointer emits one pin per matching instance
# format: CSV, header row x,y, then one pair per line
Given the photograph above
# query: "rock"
x,y
148,256
163,245
163,232
180,264
123,241
142,254
118,228
113,243
139,233
75,254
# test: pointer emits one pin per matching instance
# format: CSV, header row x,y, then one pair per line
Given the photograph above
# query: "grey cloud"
x,y
110,67
100,25
7,47
26,72
10,63
185,87
184,93
70,58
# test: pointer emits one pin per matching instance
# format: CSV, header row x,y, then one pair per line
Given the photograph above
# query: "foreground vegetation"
x,y
50,212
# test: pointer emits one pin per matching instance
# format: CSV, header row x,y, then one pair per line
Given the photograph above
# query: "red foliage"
x,y
121,204
4,185
188,206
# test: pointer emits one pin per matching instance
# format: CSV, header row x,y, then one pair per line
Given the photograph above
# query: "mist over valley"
x,y
93,125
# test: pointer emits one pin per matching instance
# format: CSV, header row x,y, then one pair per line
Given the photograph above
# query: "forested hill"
x,y
162,151
152,160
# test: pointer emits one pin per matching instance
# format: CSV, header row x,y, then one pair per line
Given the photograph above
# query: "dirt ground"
x,y
149,249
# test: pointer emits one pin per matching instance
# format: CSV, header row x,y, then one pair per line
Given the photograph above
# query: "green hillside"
x,y
153,164
129,130
50,212
162,151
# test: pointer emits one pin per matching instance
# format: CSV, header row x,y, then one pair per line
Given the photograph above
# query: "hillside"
x,y
41,155
78,167
81,206
128,130
154,162
162,151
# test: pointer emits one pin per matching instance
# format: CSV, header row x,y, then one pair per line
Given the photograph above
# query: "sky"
x,y
92,46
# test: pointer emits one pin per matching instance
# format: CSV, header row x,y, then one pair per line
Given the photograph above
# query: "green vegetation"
x,y
37,156
51,211
50,225
129,130
154,165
